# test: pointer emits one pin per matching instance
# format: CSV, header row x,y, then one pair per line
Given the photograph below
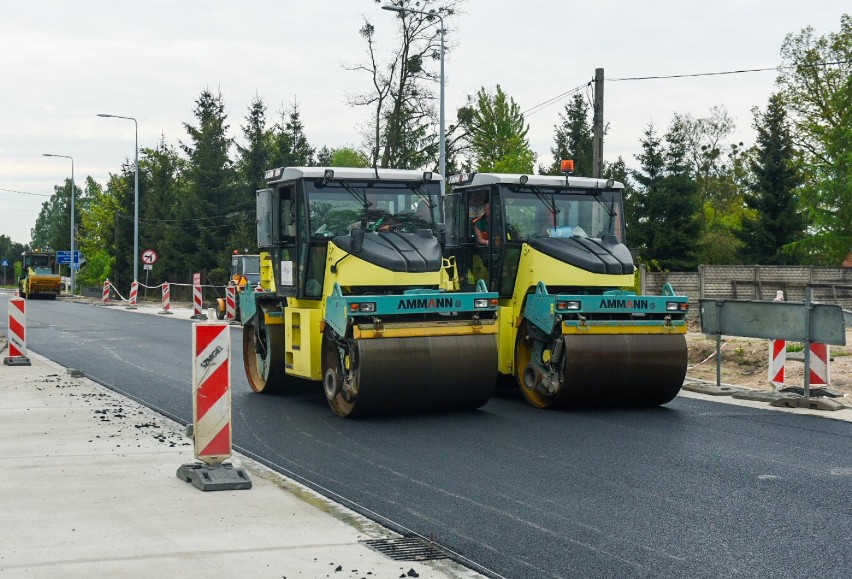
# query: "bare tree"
x,y
402,128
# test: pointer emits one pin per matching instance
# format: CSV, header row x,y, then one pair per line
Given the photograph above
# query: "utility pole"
x,y
598,125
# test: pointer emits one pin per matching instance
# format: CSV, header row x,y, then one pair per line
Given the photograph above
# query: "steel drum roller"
x,y
422,374
628,369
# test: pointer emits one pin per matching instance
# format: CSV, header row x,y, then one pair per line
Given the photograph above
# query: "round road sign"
x,y
149,256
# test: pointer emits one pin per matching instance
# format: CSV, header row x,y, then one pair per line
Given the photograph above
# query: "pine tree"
x,y
210,183
649,178
161,178
256,156
663,218
574,137
290,145
777,220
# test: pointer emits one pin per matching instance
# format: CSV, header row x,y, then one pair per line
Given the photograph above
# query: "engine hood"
x,y
606,255
402,252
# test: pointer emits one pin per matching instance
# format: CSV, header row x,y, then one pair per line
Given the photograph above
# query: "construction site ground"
x,y
745,363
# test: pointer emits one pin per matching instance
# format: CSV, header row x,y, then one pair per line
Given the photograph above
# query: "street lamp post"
x,y
442,141
73,194
135,196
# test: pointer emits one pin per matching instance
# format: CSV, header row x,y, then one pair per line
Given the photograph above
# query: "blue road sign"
x,y
64,257
4,263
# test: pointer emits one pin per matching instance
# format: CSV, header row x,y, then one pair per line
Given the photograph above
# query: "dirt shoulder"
x,y
745,362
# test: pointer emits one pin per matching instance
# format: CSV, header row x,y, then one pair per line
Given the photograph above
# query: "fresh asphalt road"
x,y
693,489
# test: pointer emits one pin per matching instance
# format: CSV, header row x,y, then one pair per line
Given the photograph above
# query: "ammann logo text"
x,y
623,304
424,303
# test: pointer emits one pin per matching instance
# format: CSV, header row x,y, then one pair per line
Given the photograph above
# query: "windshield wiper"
x,y
424,196
550,204
360,197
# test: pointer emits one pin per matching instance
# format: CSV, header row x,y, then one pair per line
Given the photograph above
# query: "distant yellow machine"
x,y
245,271
38,278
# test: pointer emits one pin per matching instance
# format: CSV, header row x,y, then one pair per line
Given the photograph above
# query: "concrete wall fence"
x,y
754,282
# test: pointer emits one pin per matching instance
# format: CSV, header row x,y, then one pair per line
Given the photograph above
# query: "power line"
x,y
534,109
693,74
25,192
777,68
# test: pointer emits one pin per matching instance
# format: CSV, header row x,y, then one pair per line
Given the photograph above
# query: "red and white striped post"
x,y
230,302
777,362
211,383
197,300
211,411
17,334
166,299
106,292
134,290
820,374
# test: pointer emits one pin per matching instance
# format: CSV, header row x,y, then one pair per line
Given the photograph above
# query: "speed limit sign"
x,y
149,256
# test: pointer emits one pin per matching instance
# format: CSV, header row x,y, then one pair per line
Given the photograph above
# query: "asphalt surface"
x,y
696,488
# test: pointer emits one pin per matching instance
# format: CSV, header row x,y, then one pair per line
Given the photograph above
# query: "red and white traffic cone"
x,y
106,292
166,299
134,290
17,333
777,362
211,411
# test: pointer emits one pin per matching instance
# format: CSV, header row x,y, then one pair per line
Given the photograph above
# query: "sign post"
x,y
149,258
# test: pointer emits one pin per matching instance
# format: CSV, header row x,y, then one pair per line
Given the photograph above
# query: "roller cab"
x,y
356,295
572,331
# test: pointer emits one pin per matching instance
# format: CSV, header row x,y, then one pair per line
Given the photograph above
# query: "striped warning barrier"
x,y
819,374
167,305
211,377
197,298
105,297
134,291
211,411
17,335
820,371
230,302
777,361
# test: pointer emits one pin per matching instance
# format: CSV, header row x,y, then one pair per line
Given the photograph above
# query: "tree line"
x,y
690,198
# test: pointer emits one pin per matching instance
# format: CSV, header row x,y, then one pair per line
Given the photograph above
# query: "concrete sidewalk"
x,y
89,489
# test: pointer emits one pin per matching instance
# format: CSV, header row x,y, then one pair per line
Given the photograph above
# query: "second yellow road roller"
x,y
355,294
572,331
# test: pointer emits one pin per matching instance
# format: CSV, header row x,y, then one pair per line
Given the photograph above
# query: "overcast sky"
x,y
62,62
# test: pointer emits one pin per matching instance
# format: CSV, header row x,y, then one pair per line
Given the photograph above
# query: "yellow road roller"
x,y
355,294
38,278
571,331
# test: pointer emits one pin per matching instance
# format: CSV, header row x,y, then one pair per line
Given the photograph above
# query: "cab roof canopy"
x,y
293,173
478,179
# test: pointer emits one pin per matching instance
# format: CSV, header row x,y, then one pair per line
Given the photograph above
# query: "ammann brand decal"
x,y
424,303
624,304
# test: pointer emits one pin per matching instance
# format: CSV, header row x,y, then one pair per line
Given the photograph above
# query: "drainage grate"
x,y
407,549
